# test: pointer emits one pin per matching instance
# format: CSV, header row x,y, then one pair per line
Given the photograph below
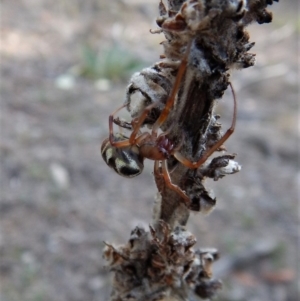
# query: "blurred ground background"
x,y
65,66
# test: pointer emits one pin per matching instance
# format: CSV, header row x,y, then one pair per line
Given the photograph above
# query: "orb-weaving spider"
x,y
126,155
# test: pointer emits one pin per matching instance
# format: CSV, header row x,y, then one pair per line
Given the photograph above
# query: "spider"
x,y
126,155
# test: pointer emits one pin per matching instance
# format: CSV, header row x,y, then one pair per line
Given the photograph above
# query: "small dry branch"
x,y
161,264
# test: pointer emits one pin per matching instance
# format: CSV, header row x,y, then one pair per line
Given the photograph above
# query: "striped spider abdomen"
x,y
126,161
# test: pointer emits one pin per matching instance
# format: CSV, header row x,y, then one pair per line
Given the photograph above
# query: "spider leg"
x,y
137,125
158,177
141,138
123,124
112,141
168,182
181,70
210,151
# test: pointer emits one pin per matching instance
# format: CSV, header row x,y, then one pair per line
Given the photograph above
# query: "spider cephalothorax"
x,y
159,148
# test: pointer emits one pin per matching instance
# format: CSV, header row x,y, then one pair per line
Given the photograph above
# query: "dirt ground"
x,y
62,75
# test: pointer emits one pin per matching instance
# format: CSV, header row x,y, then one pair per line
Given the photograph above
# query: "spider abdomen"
x,y
126,161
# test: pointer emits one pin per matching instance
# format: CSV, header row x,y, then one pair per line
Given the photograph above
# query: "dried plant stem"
x,y
161,264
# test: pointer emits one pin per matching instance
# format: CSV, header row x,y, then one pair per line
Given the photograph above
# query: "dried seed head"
x,y
161,261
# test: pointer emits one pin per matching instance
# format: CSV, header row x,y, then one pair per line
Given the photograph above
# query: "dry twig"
x,y
203,41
